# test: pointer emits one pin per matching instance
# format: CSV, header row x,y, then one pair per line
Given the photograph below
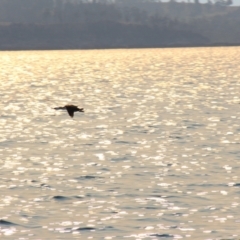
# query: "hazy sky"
x,y
236,2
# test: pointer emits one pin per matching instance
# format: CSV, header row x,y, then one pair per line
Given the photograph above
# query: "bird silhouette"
x,y
70,109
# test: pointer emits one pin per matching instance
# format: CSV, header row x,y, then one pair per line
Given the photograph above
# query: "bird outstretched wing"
x,y
59,108
70,112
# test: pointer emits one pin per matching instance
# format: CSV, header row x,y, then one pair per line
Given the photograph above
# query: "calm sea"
x,y
155,155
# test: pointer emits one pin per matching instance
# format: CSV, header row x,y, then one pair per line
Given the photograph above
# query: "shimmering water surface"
x,y
155,155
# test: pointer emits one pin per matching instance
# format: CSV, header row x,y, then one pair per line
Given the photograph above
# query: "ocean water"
x,y
155,155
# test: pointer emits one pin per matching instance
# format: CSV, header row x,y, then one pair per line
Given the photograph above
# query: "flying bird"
x,y
70,109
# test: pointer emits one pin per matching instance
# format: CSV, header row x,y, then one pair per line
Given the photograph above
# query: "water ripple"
x,y
154,156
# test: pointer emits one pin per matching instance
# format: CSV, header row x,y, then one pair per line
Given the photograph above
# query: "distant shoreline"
x,y
104,35
120,24
15,48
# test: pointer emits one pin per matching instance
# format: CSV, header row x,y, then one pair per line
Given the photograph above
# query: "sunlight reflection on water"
x,y
155,155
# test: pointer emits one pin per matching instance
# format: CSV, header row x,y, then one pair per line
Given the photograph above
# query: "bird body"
x,y
70,109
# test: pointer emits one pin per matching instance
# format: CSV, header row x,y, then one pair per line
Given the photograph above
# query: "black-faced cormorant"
x,y
71,109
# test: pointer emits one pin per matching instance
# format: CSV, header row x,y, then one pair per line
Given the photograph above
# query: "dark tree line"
x,y
81,11
43,24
